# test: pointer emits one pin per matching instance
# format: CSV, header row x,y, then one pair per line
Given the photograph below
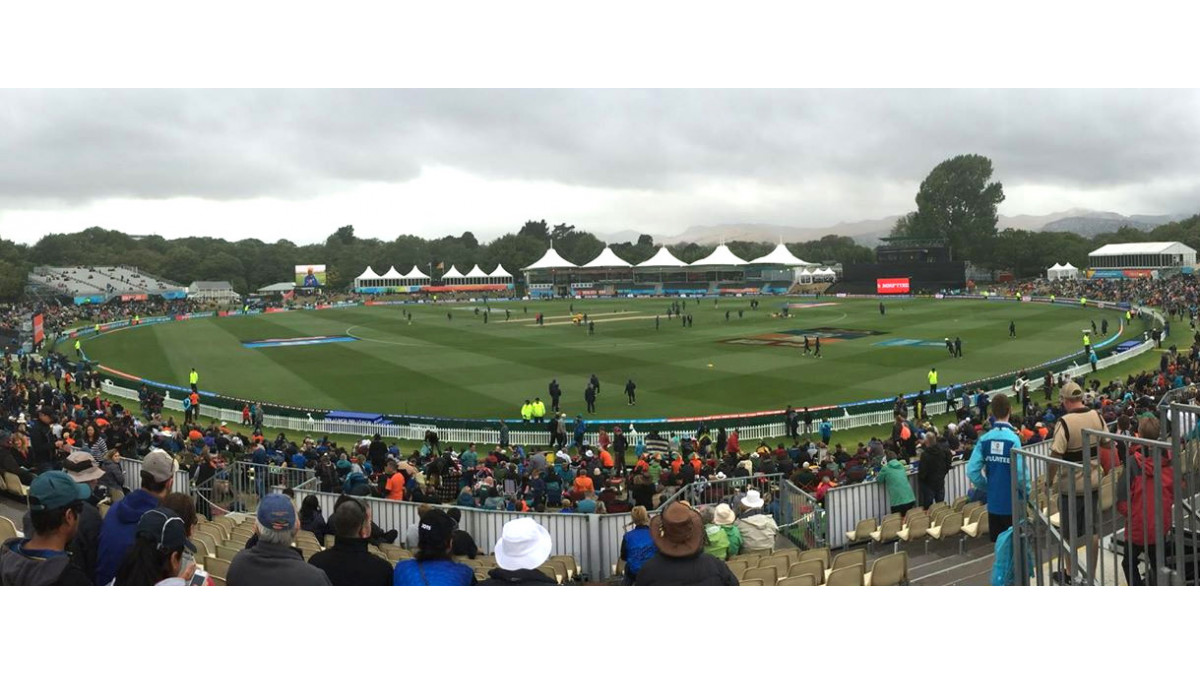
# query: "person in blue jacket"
x,y
432,564
990,467
120,523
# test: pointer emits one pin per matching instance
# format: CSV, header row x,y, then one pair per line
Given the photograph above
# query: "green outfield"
x,y
464,367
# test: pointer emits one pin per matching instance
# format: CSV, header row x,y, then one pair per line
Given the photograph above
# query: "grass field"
x,y
465,367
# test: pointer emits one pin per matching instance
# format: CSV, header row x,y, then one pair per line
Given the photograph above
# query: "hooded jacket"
x,y
116,534
85,546
1136,502
22,567
503,577
757,529
894,476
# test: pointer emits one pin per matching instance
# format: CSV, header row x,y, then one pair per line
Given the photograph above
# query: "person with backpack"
x,y
1067,445
1146,472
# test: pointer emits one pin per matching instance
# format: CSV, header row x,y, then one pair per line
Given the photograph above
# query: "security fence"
x,y
727,490
132,468
846,505
1125,514
240,486
803,521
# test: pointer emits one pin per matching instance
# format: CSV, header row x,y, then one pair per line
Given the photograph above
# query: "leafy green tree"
x,y
957,202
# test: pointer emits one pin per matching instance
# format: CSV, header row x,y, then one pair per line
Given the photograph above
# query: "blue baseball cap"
x,y
276,512
54,490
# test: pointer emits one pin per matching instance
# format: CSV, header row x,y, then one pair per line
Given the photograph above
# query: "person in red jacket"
x,y
1145,472
731,443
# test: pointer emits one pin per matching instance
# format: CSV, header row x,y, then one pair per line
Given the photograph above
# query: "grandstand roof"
x,y
663,258
721,256
416,273
453,273
500,272
551,260
367,274
281,287
211,286
607,259
476,273
392,274
1143,248
780,256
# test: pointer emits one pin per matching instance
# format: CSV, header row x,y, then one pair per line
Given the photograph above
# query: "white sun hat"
x,y
752,500
523,545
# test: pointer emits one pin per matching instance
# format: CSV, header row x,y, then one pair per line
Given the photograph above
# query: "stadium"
x,y
750,370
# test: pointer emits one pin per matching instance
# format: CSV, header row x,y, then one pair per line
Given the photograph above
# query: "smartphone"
x,y
200,578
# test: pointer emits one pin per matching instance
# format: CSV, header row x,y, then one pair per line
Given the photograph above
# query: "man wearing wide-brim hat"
x,y
678,533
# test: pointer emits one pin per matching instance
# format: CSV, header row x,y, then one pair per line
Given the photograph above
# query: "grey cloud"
x,y
76,146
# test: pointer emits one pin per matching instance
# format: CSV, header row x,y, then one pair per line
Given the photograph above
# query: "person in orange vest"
x,y
696,463
606,458
676,463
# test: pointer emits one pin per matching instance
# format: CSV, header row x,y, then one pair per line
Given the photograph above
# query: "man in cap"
x,y
120,523
678,534
348,562
523,547
43,445
55,502
85,547
1067,445
273,561
432,564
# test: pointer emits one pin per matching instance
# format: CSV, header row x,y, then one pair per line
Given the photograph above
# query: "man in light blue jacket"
x,y
990,467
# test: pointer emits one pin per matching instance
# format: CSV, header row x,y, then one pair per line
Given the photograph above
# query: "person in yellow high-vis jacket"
x,y
933,380
527,411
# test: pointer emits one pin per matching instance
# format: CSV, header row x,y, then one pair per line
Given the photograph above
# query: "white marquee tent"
x,y
720,257
780,256
662,258
551,260
607,259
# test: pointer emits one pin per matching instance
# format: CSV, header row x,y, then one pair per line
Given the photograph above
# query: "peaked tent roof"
x,y
824,272
416,273
780,256
607,259
476,273
392,274
720,256
500,272
551,260
1056,266
1068,266
453,273
663,258
367,274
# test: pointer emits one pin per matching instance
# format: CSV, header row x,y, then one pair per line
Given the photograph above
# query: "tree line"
x,y
250,264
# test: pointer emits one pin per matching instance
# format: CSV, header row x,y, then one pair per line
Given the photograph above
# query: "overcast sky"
x,y
299,164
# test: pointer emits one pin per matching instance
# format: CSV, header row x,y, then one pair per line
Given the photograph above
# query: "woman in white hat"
x,y
523,547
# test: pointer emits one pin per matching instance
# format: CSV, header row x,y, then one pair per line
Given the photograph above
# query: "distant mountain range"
x,y
868,232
